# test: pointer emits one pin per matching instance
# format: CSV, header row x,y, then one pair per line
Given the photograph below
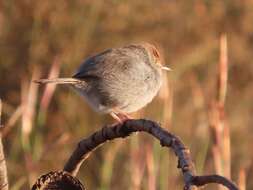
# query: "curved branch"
x,y
206,179
86,146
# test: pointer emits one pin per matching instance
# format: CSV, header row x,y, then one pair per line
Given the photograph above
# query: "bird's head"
x,y
154,56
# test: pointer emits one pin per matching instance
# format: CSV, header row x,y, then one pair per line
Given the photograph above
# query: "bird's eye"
x,y
155,53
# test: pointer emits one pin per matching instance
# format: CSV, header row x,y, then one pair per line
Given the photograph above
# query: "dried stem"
x,y
49,89
218,122
3,170
223,70
86,146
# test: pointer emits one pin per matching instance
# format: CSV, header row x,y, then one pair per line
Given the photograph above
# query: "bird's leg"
x,y
115,116
120,116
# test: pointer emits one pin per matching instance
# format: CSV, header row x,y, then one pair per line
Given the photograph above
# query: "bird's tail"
x,y
57,81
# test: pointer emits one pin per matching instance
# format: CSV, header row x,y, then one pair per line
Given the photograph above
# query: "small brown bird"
x,y
119,80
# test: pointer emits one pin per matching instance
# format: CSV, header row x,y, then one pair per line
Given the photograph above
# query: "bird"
x,y
119,80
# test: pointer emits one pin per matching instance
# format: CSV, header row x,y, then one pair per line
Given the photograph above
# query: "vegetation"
x,y
50,38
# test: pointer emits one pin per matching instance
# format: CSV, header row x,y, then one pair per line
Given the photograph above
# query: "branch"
x,y
86,146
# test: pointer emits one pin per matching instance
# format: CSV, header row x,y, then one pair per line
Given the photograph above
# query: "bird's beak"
x,y
166,68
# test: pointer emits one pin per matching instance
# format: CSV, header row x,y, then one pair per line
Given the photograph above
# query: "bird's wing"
x,y
113,60
94,66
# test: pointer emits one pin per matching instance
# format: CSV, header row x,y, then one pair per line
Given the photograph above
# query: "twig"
x,y
86,146
206,179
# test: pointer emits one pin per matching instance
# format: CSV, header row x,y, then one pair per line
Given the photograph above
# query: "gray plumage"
x,y
123,79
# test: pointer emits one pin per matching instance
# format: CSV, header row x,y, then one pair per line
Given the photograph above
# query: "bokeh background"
x,y
202,41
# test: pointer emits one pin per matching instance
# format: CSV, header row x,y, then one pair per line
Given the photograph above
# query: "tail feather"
x,y
57,81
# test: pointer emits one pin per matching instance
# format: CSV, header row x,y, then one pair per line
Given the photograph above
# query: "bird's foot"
x,y
120,117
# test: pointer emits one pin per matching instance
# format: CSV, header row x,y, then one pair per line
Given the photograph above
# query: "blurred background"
x,y
206,100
